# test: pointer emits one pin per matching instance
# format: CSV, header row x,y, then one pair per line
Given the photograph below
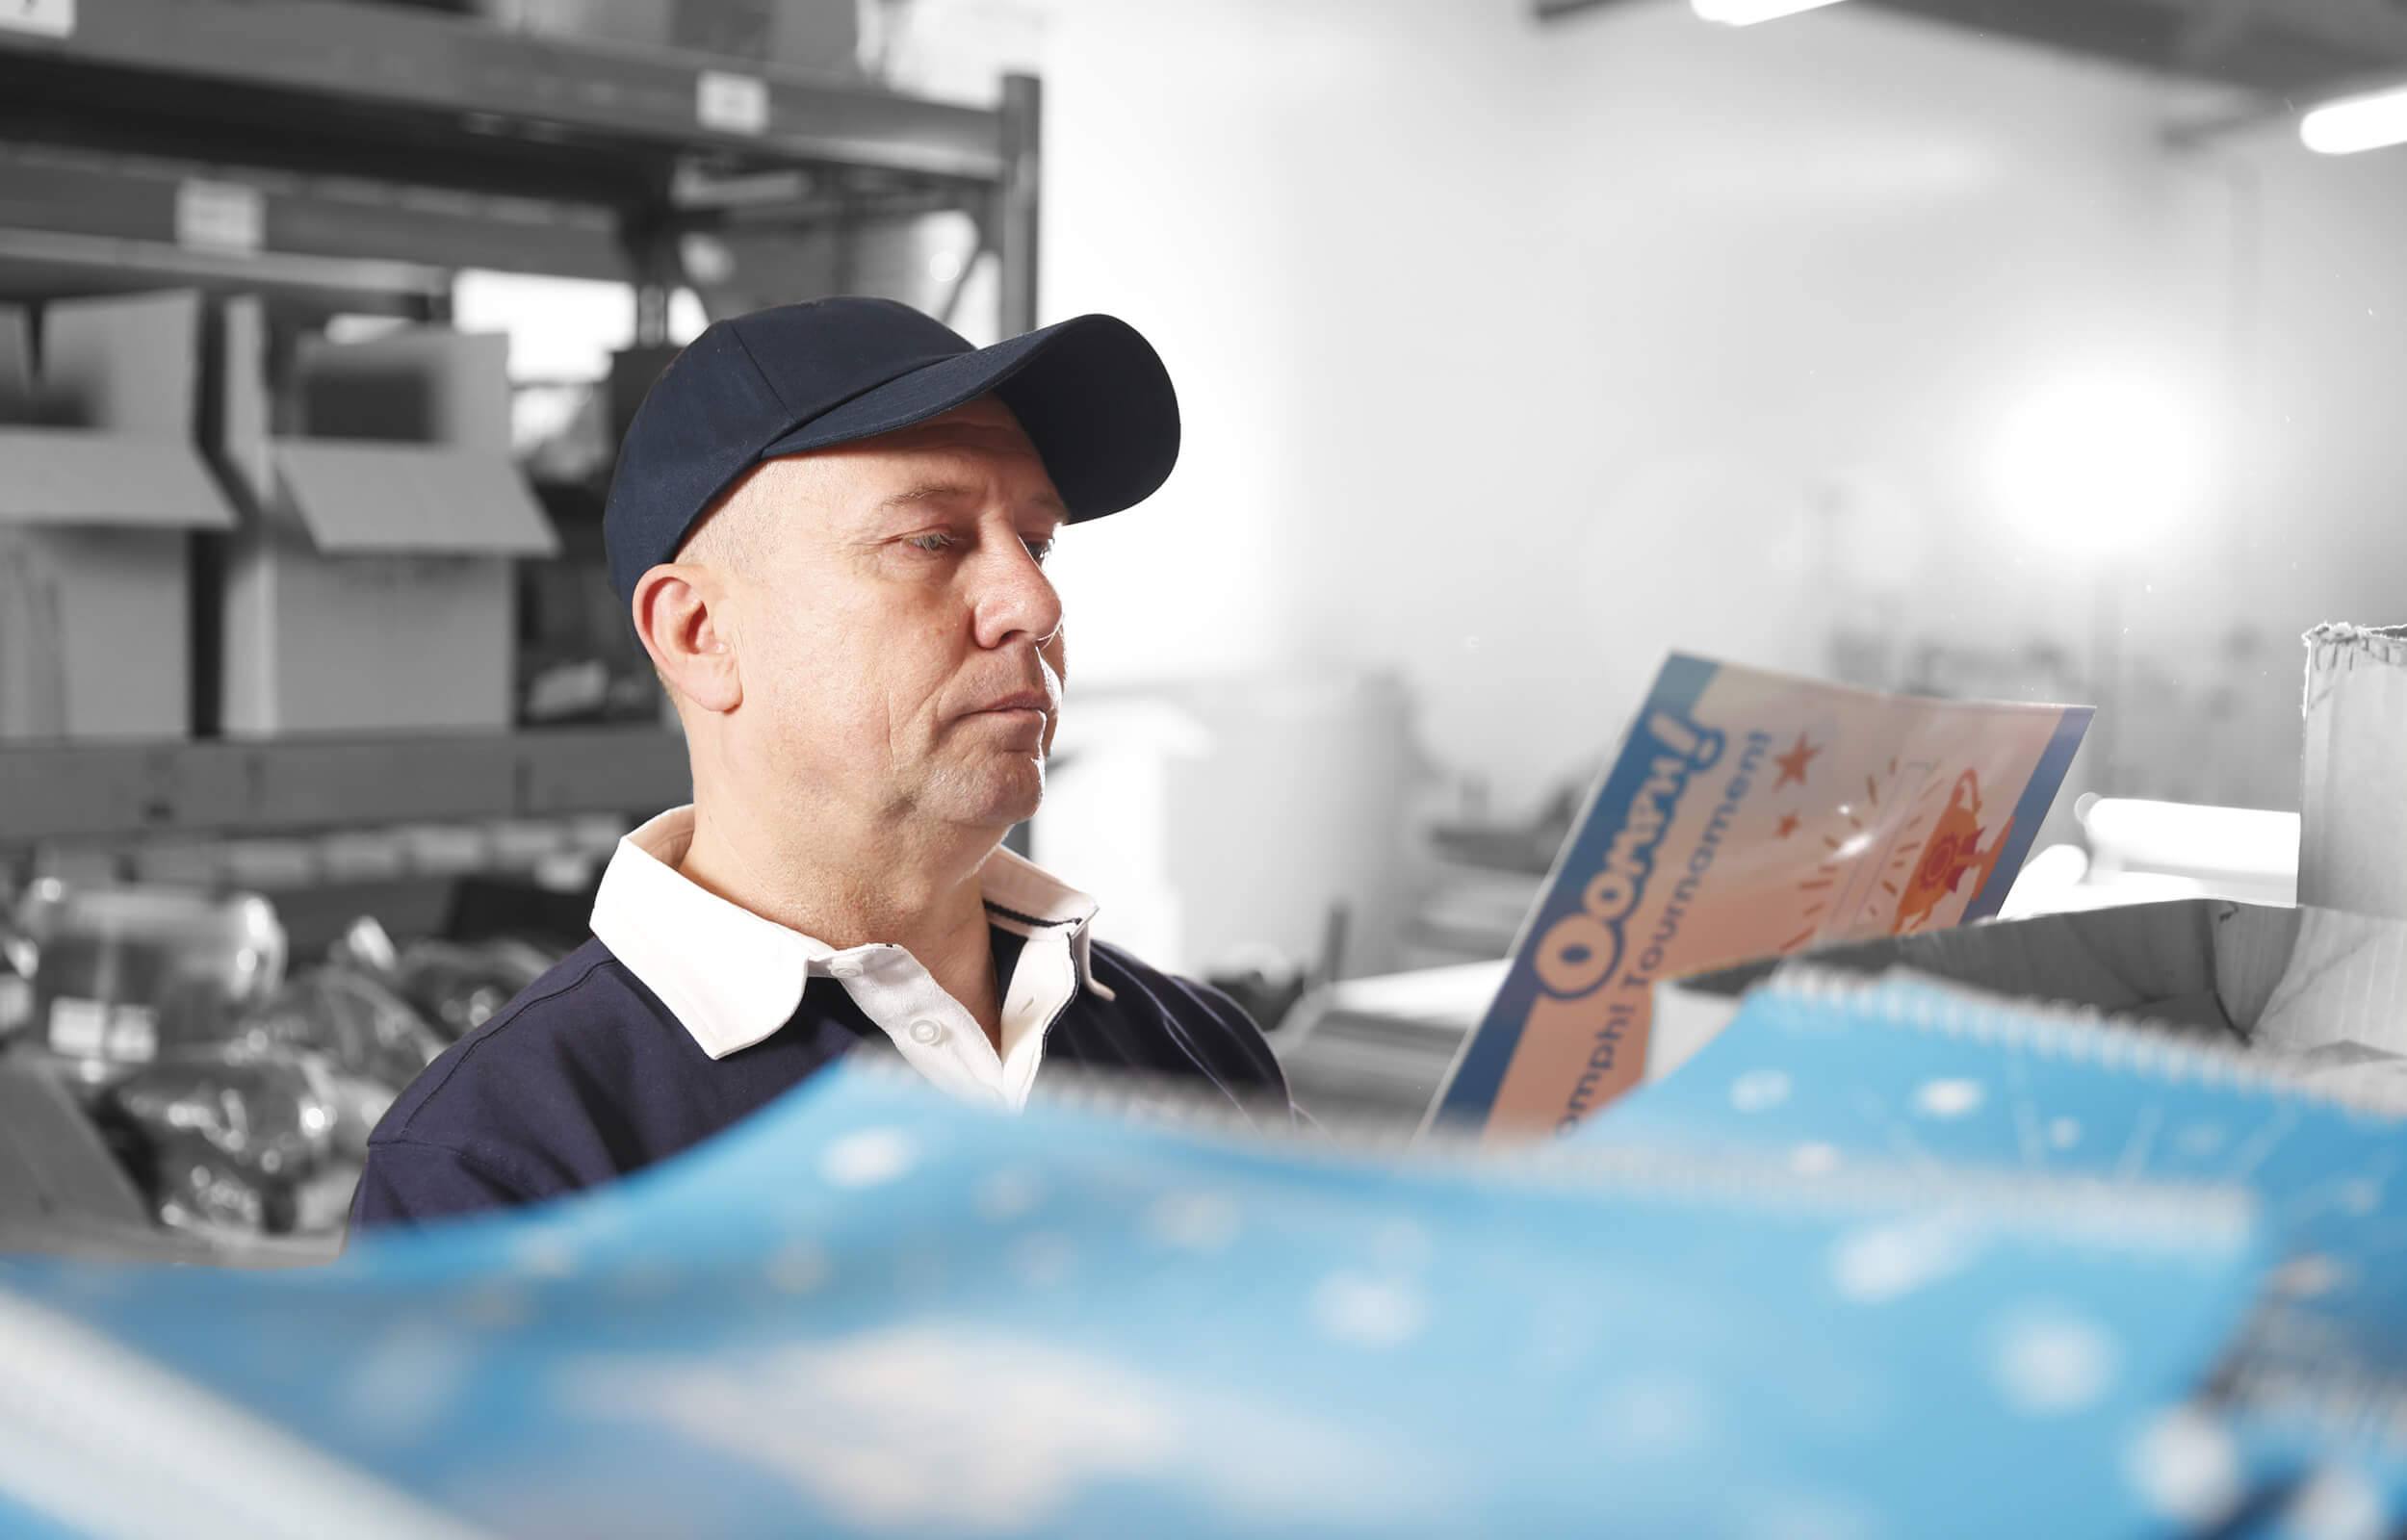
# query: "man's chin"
x,y
997,796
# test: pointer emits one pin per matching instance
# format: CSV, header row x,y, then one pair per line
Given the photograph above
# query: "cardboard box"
x,y
370,590
821,36
2292,980
2352,833
100,482
637,23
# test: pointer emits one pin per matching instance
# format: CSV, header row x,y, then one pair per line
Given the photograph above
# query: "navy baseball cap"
x,y
1091,393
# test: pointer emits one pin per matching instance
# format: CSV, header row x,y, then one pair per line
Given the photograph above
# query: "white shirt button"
x,y
927,1033
844,969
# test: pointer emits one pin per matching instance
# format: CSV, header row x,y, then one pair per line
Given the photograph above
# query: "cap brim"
x,y
1090,391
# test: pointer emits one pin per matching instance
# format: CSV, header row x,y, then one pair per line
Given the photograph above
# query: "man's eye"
x,y
934,540
1039,548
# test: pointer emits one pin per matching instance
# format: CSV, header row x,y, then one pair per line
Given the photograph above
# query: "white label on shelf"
x,y
77,1027
46,19
722,100
218,216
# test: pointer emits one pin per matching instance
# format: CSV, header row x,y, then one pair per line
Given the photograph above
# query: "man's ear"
x,y
683,613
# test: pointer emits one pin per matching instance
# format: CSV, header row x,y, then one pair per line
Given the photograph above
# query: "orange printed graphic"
x,y
1954,850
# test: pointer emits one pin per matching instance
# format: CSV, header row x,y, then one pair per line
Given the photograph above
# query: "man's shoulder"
x,y
1212,1032
1112,964
1117,968
577,1015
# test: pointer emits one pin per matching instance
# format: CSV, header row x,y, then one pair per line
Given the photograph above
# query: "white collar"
x,y
734,978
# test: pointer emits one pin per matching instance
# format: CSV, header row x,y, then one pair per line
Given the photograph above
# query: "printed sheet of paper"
x,y
1750,813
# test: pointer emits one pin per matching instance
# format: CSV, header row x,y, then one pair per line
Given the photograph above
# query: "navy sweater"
x,y
587,1076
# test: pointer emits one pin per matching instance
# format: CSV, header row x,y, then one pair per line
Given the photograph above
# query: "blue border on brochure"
x,y
2047,778
1479,1072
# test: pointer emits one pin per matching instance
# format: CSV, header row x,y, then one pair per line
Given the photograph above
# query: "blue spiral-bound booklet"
x,y
872,1311
1824,1073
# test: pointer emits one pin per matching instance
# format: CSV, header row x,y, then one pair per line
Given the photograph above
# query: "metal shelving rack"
x,y
366,152
71,791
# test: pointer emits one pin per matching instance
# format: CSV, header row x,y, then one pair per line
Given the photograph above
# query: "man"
x,y
829,524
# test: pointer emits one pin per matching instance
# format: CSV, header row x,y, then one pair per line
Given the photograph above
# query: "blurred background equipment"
x,y
121,974
225,1142
233,1100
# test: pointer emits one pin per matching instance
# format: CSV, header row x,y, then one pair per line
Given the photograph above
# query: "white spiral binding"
x,y
2081,1034
2155,1217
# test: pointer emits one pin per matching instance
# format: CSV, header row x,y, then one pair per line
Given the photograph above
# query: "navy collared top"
x,y
592,1073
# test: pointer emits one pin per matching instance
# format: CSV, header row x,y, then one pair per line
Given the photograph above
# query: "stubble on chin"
x,y
995,788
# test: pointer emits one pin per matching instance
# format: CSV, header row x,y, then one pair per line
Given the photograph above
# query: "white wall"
x,y
2319,514
1515,354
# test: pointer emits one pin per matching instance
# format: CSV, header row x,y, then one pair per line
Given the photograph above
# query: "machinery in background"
x,y
1368,1054
160,1067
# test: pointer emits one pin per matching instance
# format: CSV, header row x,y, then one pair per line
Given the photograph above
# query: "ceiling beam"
x,y
2370,27
2357,36
1557,10
2217,31
2277,46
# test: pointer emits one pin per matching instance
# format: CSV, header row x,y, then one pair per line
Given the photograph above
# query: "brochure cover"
x,y
1749,814
874,1311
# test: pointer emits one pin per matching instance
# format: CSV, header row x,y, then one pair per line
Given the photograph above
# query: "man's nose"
x,y
1014,595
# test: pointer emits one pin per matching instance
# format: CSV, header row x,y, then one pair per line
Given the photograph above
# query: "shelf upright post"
x,y
1015,235
651,314
655,258
1015,200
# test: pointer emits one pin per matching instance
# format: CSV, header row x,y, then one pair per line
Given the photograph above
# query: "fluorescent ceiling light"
x,y
1746,12
2351,125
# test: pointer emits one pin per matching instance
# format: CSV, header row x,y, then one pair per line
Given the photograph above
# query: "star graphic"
x,y
1793,763
1787,825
